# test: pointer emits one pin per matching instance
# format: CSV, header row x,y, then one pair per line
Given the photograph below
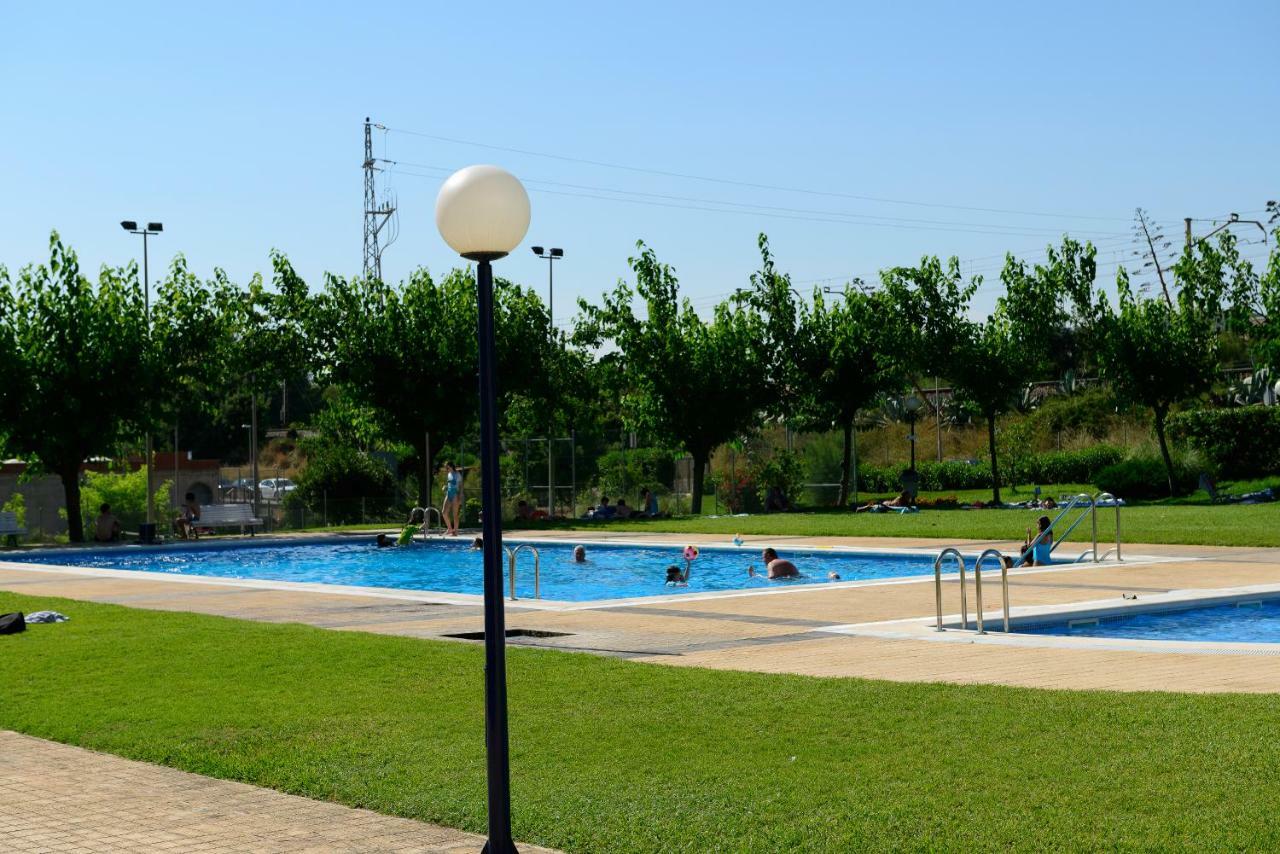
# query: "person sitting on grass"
x,y
1038,546
775,566
622,511
523,511
604,511
185,524
776,501
106,529
649,503
902,500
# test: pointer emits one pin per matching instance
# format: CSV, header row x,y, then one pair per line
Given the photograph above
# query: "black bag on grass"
x,y
11,624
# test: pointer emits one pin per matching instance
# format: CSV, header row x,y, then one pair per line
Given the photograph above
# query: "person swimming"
x,y
477,544
676,578
775,567
579,554
384,542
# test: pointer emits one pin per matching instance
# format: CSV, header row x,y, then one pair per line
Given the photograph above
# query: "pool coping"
x,y
559,605
925,628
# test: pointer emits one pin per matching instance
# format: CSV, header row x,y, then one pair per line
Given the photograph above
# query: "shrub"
x,y
1237,443
471,513
1054,467
337,478
126,492
1144,477
783,469
626,472
1092,412
1072,466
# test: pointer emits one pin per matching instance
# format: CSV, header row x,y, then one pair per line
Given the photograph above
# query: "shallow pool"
x,y
1255,621
610,572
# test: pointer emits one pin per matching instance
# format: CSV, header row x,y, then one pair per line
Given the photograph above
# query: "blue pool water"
x,y
1254,622
610,572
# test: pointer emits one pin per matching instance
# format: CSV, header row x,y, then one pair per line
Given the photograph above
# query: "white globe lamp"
x,y
482,212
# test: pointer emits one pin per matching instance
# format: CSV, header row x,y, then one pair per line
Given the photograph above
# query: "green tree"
x,y
991,361
410,353
80,367
194,325
1160,352
697,383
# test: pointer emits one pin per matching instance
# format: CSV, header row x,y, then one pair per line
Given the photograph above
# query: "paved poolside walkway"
x,y
56,798
775,630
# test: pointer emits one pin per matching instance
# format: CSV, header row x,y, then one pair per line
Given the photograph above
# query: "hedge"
x,y
1237,443
1054,467
1145,477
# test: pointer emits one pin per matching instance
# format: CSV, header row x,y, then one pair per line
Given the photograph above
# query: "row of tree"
x,y
88,369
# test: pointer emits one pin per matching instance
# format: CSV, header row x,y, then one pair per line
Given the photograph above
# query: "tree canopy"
x,y
697,383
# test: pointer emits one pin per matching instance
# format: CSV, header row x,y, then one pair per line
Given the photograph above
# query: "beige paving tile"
x,y
58,798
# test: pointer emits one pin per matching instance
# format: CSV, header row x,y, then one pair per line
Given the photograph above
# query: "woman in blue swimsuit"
x,y
452,498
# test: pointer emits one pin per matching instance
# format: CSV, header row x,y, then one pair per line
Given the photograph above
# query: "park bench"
x,y
227,516
9,527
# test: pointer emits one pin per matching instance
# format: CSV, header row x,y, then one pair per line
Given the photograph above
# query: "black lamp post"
x,y
483,213
551,255
912,404
148,535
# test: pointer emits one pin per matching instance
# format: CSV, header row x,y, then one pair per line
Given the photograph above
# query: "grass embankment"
x,y
616,756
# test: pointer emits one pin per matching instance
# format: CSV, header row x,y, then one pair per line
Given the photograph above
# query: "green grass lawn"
x,y
1224,525
614,756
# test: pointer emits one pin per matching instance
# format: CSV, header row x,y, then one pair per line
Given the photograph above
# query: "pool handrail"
x,y
537,568
1004,584
1077,500
426,520
937,586
1098,499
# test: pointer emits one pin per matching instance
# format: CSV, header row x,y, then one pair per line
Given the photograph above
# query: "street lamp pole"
x,y
482,212
151,228
912,405
550,255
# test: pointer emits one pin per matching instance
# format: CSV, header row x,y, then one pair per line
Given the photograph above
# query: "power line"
x,y
1001,232
750,184
756,206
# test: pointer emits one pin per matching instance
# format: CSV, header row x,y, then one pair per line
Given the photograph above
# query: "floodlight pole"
x,y
551,255
149,229
495,635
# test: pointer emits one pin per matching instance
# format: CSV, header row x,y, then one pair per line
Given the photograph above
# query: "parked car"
x,y
238,491
275,488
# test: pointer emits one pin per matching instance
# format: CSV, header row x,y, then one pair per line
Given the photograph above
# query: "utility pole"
x,y
1187,220
376,216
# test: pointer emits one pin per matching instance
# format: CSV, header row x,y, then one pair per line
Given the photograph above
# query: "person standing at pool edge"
x,y
452,499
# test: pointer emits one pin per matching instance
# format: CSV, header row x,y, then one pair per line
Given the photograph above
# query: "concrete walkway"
x,y
55,798
772,630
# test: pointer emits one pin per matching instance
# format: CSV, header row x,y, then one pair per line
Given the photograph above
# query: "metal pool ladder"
x,y
426,521
977,586
537,571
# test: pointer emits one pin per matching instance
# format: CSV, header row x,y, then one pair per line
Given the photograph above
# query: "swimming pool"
x,y
1244,621
451,566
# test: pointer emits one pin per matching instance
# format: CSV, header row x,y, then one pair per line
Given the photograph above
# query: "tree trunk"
x,y
71,492
1164,447
995,469
846,463
699,469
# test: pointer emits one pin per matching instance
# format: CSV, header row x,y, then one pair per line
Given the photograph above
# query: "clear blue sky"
x,y
240,129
